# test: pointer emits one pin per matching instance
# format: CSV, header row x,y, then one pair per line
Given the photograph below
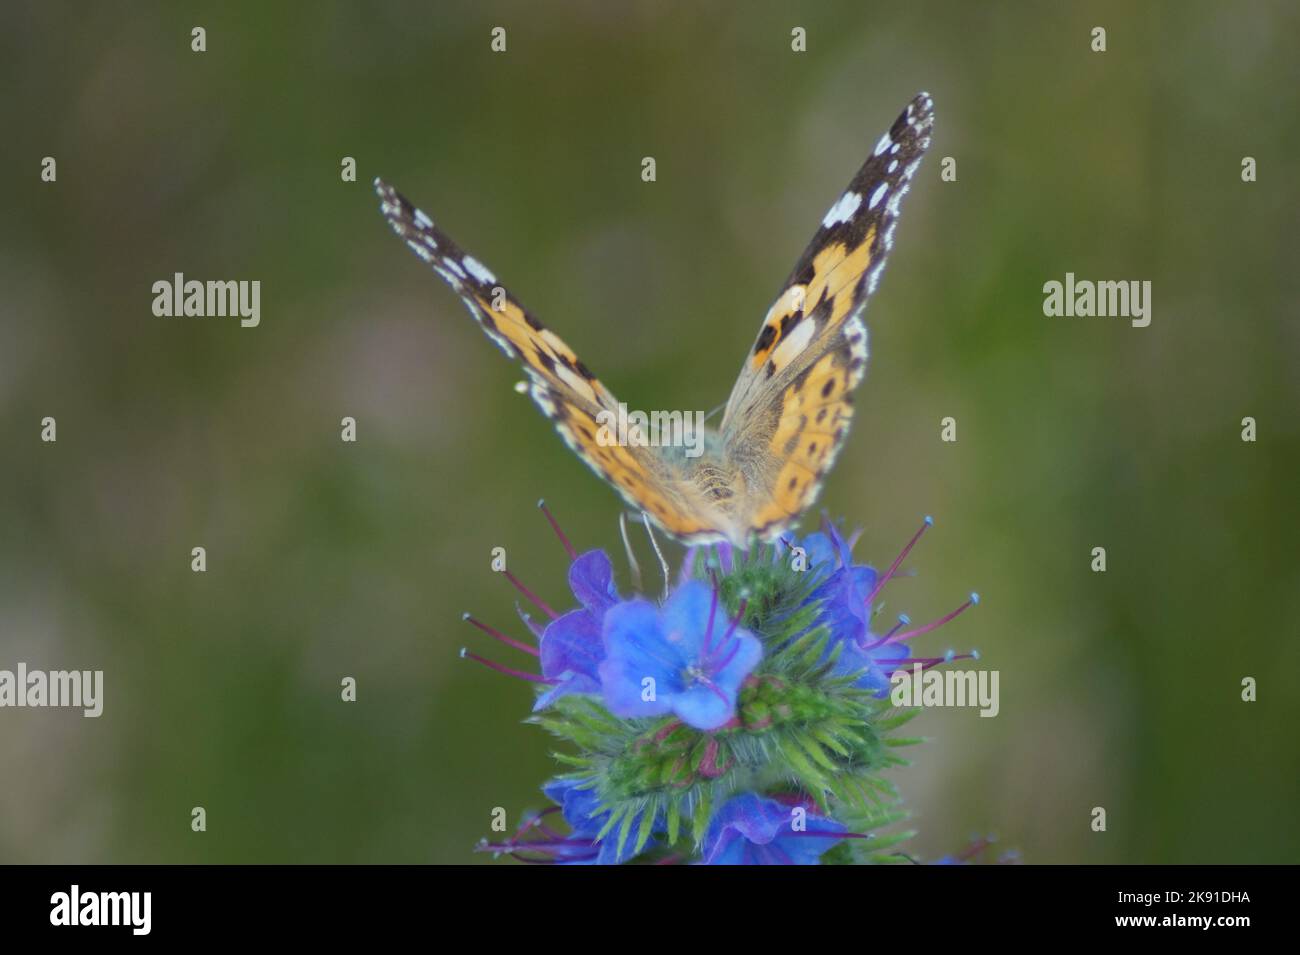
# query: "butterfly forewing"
x,y
789,412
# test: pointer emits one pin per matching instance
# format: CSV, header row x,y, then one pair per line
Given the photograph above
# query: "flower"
x,y
672,659
536,841
822,551
571,645
581,808
843,591
772,788
753,830
845,599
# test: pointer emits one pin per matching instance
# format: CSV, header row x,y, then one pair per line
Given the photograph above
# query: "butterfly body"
x,y
790,409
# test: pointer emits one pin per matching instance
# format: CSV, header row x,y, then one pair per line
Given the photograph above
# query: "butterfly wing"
x,y
649,478
789,412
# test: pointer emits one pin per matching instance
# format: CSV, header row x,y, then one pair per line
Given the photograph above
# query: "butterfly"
x,y
790,409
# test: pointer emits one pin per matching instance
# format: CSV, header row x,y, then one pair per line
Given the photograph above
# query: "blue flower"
x,y
823,550
872,665
571,646
843,598
843,595
753,830
684,663
678,658
581,808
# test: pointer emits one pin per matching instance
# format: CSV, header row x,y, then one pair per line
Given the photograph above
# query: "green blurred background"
x,y
329,560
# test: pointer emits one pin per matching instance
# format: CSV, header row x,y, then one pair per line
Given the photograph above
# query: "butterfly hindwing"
x,y
789,412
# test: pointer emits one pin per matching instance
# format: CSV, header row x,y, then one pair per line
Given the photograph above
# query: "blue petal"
x,y
823,556
709,706
827,550
568,684
572,643
843,609
873,666
686,619
743,659
703,707
635,648
571,651
749,815
578,802
591,578
797,848
843,549
752,830
580,805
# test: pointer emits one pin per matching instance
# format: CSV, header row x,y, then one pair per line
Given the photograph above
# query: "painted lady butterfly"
x,y
789,411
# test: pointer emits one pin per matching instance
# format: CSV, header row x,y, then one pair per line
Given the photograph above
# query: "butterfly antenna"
x,y
627,546
715,411
663,564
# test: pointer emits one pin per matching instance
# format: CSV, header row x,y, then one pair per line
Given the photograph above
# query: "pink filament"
x,y
898,560
555,526
537,601
509,641
508,671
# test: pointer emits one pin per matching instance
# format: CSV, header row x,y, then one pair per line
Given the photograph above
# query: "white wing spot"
x,y
843,210
895,199
856,333
478,270
573,381
419,249
873,278
794,343
423,220
448,277
884,144
878,195
543,401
